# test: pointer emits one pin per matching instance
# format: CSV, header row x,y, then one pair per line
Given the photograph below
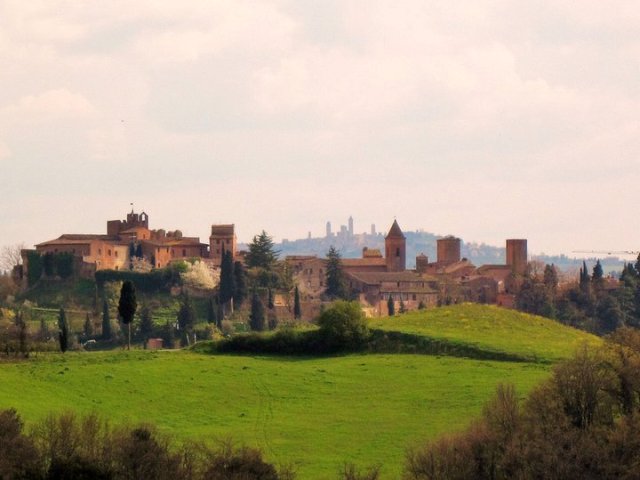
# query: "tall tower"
x,y
350,226
517,255
328,229
395,249
222,238
448,249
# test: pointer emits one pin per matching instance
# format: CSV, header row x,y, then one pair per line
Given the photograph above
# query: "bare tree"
x,y
10,256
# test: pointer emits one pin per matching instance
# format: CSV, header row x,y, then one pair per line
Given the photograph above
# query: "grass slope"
x,y
491,328
314,412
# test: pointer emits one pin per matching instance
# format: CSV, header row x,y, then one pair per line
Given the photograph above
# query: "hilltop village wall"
x,y
373,277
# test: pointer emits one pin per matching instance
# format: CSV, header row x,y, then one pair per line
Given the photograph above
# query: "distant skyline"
x,y
483,119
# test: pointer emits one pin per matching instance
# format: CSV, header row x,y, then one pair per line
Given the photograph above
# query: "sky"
x,y
484,119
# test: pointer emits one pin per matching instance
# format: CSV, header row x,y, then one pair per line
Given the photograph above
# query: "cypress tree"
x,y
270,304
139,251
106,321
88,327
63,331
391,308
186,317
403,308
297,310
127,306
256,318
240,291
227,283
211,312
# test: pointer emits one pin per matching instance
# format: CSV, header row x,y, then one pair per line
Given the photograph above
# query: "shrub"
x,y
343,326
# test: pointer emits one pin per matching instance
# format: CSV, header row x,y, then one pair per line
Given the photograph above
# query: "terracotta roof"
x,y
395,231
175,242
373,278
363,262
79,239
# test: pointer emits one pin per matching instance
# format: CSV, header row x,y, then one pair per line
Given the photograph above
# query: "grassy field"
x,y
491,328
315,413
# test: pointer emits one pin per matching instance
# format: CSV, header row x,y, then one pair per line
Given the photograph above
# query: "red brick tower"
x,y
395,249
448,250
517,255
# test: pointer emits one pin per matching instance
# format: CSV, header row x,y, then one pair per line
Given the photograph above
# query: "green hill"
x,y
491,328
316,413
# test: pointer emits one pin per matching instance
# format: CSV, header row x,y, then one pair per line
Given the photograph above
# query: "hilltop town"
x,y
373,277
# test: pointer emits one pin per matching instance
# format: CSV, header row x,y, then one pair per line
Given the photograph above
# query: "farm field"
x,y
313,412
492,328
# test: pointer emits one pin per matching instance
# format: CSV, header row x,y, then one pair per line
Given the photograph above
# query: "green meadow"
x,y
492,328
315,413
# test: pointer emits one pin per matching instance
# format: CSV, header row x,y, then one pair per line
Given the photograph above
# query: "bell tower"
x,y
395,249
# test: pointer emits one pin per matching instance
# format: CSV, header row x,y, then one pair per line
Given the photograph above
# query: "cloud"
x,y
50,105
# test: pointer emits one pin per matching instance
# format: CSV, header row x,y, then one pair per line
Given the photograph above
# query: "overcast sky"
x,y
482,119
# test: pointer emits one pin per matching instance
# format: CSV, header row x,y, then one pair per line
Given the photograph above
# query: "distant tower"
x,y
422,263
395,249
448,249
373,229
517,255
328,229
223,237
350,226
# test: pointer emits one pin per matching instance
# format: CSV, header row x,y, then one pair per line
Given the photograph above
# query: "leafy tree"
x,y
597,279
146,323
551,278
186,317
336,284
256,318
168,335
391,307
44,330
63,331
421,305
297,310
344,326
262,253
88,326
139,253
240,291
227,282
22,335
127,306
106,321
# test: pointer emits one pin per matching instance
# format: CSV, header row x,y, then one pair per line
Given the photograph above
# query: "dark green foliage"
x,y
403,307
19,458
23,346
344,326
256,318
272,320
227,286
158,280
132,250
106,321
63,331
35,267
146,323
212,312
551,278
87,330
240,291
168,335
297,310
48,264
64,264
270,304
421,305
186,317
391,307
262,253
335,281
127,305
139,253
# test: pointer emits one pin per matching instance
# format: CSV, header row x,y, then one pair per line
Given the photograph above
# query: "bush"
x,y
344,326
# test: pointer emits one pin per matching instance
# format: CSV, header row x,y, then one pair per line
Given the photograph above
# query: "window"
x,y
99,251
218,242
397,252
414,296
184,252
321,284
116,253
109,252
